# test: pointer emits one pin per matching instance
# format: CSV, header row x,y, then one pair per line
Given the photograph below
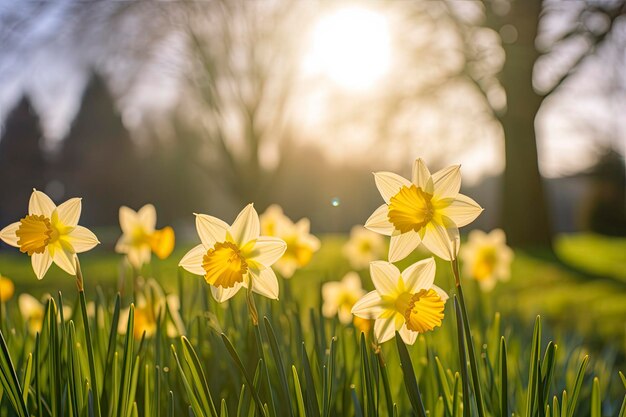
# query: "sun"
x,y
352,47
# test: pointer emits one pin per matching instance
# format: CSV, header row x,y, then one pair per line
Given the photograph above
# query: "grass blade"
x,y
596,401
504,402
299,398
409,378
577,384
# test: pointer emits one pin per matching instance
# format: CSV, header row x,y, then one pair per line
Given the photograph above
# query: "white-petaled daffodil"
x,y
301,244
407,301
50,234
363,247
340,296
487,258
236,256
140,237
428,210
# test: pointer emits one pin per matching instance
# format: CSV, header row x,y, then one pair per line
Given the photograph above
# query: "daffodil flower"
x,y
236,256
340,296
7,289
50,234
363,247
140,237
33,310
407,301
428,210
486,258
301,245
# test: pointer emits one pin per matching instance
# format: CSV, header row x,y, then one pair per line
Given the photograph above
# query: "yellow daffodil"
x,y
50,234
140,238
236,256
301,245
7,289
339,297
33,311
428,210
363,247
406,302
486,258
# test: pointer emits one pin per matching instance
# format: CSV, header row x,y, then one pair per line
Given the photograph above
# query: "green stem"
x,y
92,365
469,340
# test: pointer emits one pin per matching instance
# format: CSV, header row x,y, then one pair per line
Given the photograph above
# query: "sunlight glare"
x,y
352,47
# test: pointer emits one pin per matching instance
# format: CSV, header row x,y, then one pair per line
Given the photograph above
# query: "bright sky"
x,y
356,51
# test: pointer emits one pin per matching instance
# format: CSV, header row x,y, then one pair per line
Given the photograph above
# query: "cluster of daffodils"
x,y
427,210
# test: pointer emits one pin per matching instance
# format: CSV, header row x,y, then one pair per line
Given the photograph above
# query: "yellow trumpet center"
x,y
423,311
224,264
34,233
485,263
410,209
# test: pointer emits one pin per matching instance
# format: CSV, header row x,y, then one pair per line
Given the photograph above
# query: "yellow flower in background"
x,y
50,234
140,238
428,210
33,311
7,289
487,258
406,302
301,245
363,247
236,256
339,297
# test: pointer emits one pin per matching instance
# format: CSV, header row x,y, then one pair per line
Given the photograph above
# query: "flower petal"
x,y
64,259
82,239
138,256
222,294
420,275
128,219
389,184
370,306
41,263
147,217
268,250
40,204
69,212
379,221
462,211
400,246
408,336
210,229
384,329
447,182
192,261
8,235
441,293
385,277
246,226
421,176
264,282
441,241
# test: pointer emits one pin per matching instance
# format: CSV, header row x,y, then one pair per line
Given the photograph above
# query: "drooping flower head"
x,y
236,256
428,210
340,296
487,258
7,289
50,234
363,247
407,301
301,245
140,237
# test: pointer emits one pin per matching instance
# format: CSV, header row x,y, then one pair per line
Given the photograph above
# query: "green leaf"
x,y
596,401
313,408
278,361
198,377
385,377
297,388
504,402
9,381
409,378
367,386
533,370
223,409
127,366
462,360
577,384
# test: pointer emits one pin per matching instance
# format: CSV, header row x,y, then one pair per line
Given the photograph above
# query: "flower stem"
x,y
92,365
469,340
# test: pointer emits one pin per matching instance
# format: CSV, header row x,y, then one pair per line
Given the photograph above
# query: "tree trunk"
x,y
525,210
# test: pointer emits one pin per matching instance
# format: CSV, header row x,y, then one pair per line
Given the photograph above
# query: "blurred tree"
x,y
98,160
22,163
